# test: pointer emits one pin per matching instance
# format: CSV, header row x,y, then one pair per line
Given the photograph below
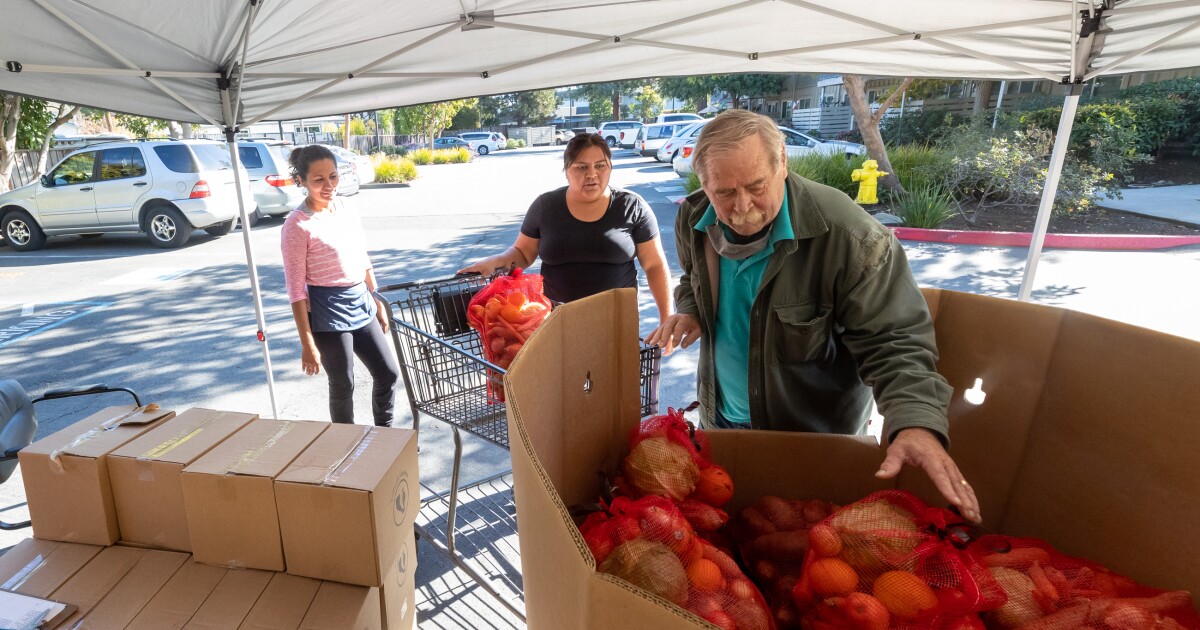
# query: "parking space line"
x,y
52,318
150,275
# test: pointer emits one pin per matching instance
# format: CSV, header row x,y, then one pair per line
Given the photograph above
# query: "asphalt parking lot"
x,y
178,326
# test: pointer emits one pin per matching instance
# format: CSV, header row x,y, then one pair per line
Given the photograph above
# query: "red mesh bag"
x,y
505,313
649,543
1047,590
772,537
891,561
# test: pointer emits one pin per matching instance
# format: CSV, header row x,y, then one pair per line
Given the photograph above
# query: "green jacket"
x,y
838,307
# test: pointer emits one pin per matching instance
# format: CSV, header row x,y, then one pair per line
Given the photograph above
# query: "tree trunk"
x,y
174,129
616,104
108,122
45,150
868,126
187,131
983,95
346,134
10,114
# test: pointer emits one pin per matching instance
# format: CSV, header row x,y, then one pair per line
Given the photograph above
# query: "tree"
x,y
695,89
65,113
468,116
739,85
605,98
868,125
431,118
648,102
533,107
490,109
10,117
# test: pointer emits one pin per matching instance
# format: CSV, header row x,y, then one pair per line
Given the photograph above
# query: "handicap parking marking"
x,y
668,189
150,275
45,317
676,198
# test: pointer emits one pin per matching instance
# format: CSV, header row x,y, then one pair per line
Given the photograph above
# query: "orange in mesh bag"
x,y
505,313
773,537
649,543
1047,590
891,561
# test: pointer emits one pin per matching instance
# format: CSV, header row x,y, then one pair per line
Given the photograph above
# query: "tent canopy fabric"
x,y
305,58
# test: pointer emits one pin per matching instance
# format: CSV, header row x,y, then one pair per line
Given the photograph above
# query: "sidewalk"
x,y
1180,204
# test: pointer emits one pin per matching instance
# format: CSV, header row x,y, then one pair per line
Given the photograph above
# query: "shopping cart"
x,y
446,377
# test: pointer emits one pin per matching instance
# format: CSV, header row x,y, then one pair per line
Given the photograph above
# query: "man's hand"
x,y
920,447
679,329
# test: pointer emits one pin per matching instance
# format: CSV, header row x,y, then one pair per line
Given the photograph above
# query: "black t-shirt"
x,y
581,258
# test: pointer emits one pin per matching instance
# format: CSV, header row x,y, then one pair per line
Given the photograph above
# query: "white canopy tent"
x,y
231,63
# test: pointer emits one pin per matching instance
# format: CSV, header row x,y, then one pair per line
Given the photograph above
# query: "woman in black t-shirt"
x,y
588,234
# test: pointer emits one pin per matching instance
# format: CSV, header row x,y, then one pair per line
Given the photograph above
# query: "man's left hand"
x,y
920,447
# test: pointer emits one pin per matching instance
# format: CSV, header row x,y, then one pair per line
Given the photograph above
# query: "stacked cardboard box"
x,y
1085,438
235,490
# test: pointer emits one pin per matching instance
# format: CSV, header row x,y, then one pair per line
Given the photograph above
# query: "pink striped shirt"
x,y
324,249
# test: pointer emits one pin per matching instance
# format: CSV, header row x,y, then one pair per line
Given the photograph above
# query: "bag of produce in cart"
x,y
891,561
772,536
505,313
649,543
1048,590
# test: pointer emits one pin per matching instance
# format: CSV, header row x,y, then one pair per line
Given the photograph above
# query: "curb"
x,y
1053,241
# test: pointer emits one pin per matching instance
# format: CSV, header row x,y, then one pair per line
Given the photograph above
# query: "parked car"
x,y
452,142
614,132
484,142
579,131
670,149
563,136
347,179
165,188
275,192
678,117
651,137
363,167
796,143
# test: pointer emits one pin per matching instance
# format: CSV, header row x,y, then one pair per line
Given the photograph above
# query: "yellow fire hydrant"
x,y
868,175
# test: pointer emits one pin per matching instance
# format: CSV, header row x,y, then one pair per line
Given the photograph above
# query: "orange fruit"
x,y
904,594
824,541
714,486
830,577
705,575
517,299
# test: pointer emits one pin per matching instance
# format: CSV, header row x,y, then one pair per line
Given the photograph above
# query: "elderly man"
x,y
804,306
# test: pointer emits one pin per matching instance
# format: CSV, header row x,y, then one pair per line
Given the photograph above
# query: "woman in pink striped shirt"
x,y
330,284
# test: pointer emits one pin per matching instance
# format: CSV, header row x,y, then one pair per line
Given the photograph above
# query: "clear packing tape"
x,y
251,455
340,466
171,444
108,425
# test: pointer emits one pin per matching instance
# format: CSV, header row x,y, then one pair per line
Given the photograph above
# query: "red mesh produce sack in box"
x,y
1048,590
891,561
505,313
649,543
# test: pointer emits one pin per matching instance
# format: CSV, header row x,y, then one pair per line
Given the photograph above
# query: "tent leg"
x,y
1057,158
254,288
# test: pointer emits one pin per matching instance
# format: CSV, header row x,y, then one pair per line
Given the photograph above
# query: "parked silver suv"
x,y
165,188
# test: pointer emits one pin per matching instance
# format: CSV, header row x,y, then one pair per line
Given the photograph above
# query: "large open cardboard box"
x,y
1086,438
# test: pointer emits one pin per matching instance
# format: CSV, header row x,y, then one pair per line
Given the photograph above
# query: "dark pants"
x,y
370,345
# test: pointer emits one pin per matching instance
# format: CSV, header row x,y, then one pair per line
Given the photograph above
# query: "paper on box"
x,y
145,475
66,475
1086,434
229,494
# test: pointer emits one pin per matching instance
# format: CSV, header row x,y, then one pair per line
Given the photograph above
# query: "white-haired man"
x,y
805,308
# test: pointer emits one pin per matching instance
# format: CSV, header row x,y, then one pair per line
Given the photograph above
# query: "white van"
x,y
678,117
651,137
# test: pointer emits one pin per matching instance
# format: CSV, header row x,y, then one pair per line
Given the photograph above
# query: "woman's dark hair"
x,y
303,157
581,142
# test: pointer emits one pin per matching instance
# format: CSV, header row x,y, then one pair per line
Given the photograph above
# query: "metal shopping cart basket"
x,y
446,377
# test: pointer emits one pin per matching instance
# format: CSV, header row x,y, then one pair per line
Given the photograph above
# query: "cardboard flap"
x,y
1109,473
358,458
262,448
343,606
186,436
138,587
99,433
325,454
38,567
179,599
283,603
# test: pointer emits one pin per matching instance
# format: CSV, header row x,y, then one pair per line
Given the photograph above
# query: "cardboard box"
x,y
1086,435
127,597
145,475
38,567
346,512
92,582
179,599
67,480
229,494
229,603
291,602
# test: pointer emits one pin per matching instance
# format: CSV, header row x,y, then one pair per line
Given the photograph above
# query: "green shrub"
x,y
831,170
520,143
458,156
925,206
421,156
511,143
394,170
1104,137
1186,92
917,127
692,183
442,156
915,165
393,150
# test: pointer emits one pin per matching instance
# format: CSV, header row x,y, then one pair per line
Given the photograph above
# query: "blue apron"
x,y
340,309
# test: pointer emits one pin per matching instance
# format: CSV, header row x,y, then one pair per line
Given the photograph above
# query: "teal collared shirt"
x,y
739,284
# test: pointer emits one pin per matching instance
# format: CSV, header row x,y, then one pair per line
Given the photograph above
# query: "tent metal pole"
x,y
118,72
364,75
1057,157
250,15
999,103
231,139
